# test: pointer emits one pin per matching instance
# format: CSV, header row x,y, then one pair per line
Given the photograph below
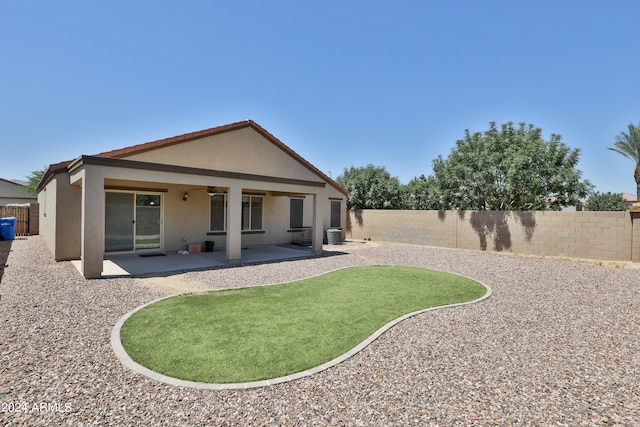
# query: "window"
x,y
296,213
336,210
217,219
252,212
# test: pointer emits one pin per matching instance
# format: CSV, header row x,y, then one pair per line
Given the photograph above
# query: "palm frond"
x,y
628,144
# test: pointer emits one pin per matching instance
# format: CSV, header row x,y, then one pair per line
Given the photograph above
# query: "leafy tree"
x,y
628,144
33,179
420,193
371,187
606,202
509,169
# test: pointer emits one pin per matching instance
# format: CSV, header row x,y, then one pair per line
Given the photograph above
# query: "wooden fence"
x,y
26,217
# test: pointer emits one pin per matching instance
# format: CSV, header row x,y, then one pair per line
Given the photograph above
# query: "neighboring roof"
x,y
14,181
140,148
629,197
16,190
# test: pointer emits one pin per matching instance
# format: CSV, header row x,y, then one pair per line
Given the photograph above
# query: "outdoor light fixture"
x,y
185,196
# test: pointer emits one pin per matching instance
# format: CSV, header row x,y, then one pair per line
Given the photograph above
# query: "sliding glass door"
x,y
118,222
133,221
147,221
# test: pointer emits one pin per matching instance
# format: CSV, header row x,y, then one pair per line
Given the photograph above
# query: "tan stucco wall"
x,y
243,150
596,235
187,222
59,217
46,200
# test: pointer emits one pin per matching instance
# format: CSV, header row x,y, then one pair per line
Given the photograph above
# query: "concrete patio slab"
x,y
126,265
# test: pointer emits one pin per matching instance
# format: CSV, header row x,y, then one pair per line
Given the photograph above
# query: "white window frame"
x,y
224,213
251,197
301,199
331,216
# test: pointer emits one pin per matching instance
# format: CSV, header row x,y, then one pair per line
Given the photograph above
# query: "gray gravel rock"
x,y
558,343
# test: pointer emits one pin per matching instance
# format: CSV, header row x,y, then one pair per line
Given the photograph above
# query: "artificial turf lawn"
x,y
257,333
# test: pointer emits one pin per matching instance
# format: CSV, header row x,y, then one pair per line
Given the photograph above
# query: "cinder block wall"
x,y
596,235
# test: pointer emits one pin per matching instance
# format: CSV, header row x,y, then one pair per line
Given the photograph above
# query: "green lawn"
x,y
258,333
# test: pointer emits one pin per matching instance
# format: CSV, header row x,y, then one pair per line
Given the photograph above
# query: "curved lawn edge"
x,y
124,358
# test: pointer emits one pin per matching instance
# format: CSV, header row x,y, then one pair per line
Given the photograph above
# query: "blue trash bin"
x,y
8,228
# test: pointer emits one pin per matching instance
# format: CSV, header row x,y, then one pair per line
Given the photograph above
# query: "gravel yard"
x,y
558,343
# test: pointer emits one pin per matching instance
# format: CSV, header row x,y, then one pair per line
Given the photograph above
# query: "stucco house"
x,y
235,185
13,192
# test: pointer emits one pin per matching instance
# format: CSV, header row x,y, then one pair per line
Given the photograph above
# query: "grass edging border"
x,y
124,358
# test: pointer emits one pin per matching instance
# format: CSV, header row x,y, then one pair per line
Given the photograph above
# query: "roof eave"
x,y
140,148
52,170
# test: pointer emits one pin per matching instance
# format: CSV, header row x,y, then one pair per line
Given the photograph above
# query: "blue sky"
x,y
343,83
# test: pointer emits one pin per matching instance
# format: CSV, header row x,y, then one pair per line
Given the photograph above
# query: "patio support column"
x,y
92,227
234,224
318,224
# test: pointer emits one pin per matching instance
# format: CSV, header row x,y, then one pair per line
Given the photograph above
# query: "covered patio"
x,y
236,186
165,263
